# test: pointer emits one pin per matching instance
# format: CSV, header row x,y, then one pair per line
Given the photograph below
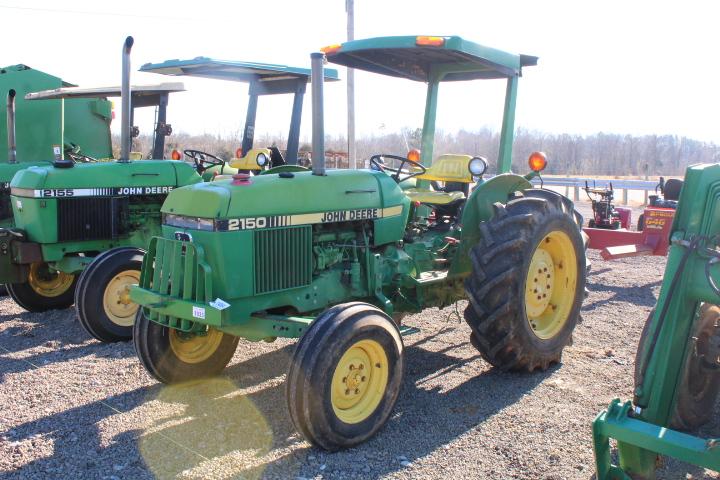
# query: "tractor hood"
x,y
301,193
103,179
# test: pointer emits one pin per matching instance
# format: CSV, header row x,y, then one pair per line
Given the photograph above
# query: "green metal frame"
x,y
641,426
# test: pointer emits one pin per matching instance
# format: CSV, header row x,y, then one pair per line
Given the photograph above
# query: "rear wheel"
x,y
527,283
345,376
172,356
102,299
641,222
45,289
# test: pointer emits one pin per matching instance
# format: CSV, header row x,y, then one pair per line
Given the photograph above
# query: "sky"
x,y
627,67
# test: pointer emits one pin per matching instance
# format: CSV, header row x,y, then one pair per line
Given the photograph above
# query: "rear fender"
x,y
479,208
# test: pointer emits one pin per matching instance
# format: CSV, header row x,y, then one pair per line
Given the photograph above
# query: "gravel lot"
x,y
71,407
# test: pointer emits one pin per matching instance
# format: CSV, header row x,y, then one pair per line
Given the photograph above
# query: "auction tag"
x,y
199,312
219,303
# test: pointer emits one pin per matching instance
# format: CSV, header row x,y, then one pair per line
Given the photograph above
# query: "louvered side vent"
x,y
283,258
88,218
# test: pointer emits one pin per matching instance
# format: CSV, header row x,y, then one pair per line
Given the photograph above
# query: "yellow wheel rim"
x,y
116,299
48,283
551,284
359,381
193,347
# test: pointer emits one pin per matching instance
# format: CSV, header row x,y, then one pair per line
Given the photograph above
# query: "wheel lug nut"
x,y
377,365
361,366
352,367
362,379
347,392
344,379
357,390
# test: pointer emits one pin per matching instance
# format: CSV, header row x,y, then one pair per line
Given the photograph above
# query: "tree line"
x,y
568,154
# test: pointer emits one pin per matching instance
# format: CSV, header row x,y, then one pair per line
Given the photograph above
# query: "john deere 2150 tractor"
x,y
81,229
337,257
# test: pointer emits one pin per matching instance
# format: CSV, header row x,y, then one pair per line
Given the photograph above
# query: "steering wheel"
x,y
203,160
378,162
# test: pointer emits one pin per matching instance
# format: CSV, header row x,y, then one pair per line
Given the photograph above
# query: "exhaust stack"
x,y
125,139
318,120
12,147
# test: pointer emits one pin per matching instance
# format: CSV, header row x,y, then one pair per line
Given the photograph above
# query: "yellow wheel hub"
x,y
116,299
48,283
551,284
195,347
359,381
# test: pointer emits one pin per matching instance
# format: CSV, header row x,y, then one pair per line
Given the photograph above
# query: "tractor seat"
x,y
449,168
433,197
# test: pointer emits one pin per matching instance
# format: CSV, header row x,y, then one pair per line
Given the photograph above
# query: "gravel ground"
x,y
71,407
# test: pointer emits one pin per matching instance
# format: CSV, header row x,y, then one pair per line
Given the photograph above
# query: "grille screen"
x,y
283,258
88,218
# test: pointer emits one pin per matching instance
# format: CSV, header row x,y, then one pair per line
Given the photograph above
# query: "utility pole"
x,y
350,9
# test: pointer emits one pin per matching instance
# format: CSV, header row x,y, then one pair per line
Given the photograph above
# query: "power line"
x,y
88,12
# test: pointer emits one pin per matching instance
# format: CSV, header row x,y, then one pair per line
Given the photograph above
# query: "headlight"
x,y
262,159
193,223
477,166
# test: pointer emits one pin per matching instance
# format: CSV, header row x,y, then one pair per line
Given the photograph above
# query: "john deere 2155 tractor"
x,y
677,367
337,257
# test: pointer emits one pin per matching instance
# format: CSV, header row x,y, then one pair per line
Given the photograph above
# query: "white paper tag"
x,y
199,312
219,304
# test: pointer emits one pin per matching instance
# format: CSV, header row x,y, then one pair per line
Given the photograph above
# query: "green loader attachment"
x,y
337,258
677,367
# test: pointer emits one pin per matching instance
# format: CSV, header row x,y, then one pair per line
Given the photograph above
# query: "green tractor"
x,y
80,228
677,367
336,258
32,129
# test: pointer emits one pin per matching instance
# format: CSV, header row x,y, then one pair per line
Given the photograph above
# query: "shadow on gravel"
x,y
239,425
38,328
640,295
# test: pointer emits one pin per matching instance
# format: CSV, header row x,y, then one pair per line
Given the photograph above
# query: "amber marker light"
x,y
238,152
537,161
175,155
425,41
414,155
330,49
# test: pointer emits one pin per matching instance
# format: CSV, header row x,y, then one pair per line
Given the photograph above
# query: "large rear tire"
x,y
527,283
44,290
345,376
700,374
173,357
102,301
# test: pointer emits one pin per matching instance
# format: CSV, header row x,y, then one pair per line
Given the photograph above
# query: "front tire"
x,y
345,376
527,282
102,301
44,290
171,356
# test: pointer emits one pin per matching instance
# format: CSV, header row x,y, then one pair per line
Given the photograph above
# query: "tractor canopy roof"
x,y
418,57
233,70
143,95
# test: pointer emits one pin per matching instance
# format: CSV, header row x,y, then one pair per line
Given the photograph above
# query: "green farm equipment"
x,y
677,367
338,257
263,79
81,228
32,129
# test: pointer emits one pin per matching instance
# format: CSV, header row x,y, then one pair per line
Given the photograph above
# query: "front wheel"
x,y
45,289
172,356
102,299
527,282
345,376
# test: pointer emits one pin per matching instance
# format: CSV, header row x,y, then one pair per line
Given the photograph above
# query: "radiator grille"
x,y
88,218
283,258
